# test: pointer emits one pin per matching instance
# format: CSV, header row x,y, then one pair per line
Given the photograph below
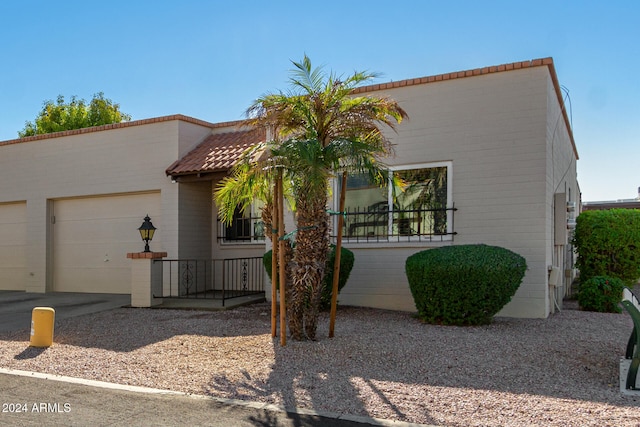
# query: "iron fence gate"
x,y
220,279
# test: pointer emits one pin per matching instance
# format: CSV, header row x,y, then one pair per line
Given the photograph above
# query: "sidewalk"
x,y
31,399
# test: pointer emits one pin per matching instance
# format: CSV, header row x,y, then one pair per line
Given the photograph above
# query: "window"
x,y
415,205
246,226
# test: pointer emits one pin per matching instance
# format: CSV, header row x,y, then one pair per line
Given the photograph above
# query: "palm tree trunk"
x,y
294,309
310,256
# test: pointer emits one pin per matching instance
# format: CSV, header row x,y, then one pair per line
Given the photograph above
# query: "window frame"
x,y
254,219
394,238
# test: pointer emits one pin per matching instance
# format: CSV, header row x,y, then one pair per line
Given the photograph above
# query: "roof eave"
x,y
197,176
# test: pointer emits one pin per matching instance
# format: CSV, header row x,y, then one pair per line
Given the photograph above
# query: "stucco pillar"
x,y
146,278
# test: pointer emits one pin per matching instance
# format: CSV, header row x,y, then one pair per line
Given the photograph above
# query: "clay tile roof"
x,y
217,153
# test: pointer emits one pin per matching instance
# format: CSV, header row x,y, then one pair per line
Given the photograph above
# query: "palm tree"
x,y
318,128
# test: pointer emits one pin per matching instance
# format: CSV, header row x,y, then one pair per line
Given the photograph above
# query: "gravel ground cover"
x,y
560,371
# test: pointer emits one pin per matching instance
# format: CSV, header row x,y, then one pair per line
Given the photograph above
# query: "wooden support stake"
x,y
282,271
336,266
274,262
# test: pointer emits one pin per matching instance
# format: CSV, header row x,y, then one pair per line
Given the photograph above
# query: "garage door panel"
x,y
13,279
13,257
82,232
94,255
92,237
94,280
119,207
13,238
12,233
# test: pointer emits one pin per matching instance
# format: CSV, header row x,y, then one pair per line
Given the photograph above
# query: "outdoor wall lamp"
x,y
146,232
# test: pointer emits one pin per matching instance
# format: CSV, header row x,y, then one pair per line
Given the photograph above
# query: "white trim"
x,y
409,239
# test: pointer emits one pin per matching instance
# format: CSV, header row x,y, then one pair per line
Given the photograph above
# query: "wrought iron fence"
x,y
378,224
220,279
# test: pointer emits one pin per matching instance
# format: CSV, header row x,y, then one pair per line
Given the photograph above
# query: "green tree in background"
x,y
75,114
608,244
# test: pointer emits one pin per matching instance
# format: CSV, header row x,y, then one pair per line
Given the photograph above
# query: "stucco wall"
x,y
561,178
494,129
195,220
116,161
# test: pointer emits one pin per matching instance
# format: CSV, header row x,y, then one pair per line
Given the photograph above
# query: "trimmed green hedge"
x,y
465,284
608,244
601,293
346,265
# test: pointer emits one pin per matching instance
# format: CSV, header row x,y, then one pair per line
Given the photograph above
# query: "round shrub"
x,y
601,293
346,265
464,284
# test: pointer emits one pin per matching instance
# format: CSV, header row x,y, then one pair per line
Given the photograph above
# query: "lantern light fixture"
x,y
146,232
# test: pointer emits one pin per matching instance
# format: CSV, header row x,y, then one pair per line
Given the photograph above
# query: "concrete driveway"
x,y
16,307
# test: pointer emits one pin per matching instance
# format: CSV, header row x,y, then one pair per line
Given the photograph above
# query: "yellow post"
x,y
42,320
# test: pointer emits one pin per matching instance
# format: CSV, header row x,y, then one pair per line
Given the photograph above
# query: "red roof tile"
x,y
217,153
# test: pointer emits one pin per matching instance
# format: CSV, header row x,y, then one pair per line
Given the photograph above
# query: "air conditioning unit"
x,y
554,276
560,219
571,206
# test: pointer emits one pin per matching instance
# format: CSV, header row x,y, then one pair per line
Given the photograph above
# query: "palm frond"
x,y
306,77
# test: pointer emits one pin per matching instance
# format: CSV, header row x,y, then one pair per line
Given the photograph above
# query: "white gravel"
x,y
560,371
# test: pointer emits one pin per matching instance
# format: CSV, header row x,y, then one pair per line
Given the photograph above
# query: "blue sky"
x,y
211,59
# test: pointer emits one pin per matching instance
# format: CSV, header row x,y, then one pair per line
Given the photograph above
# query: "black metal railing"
x,y
220,279
381,225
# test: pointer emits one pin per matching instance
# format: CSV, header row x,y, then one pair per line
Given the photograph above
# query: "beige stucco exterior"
x,y
510,150
503,133
125,160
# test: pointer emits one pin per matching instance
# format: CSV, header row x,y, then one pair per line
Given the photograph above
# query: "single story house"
x,y
613,204
489,155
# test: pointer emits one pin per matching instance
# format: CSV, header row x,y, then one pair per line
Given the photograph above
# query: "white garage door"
x,y
91,239
13,238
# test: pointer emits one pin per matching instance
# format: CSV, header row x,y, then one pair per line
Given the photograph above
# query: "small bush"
x,y
601,293
465,284
608,244
346,265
